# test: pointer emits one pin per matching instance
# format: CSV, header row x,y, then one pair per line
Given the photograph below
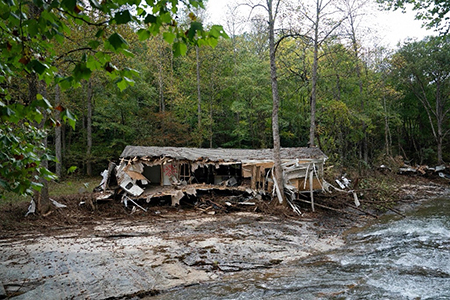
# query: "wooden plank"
x,y
253,185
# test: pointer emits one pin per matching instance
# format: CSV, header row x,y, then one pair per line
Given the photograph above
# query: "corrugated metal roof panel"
x,y
220,154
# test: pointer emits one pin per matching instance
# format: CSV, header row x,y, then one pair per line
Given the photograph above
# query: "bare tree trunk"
x,y
199,98
89,129
162,105
387,132
58,134
40,197
276,100
45,200
211,122
312,128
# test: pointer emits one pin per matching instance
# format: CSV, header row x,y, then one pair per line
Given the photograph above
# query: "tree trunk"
x,y
387,132
162,105
41,198
199,98
276,100
312,128
44,197
58,134
364,143
89,129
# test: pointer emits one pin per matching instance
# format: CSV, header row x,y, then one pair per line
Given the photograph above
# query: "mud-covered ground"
x,y
107,251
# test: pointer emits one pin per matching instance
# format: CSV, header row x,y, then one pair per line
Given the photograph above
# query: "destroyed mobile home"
x,y
148,173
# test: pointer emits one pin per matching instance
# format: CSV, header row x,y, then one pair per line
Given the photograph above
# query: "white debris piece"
x,y
31,208
104,175
129,186
57,204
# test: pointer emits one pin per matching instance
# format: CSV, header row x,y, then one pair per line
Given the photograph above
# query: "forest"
x,y
100,87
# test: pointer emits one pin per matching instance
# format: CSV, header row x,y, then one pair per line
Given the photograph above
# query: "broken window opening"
x,y
224,173
153,174
204,174
185,173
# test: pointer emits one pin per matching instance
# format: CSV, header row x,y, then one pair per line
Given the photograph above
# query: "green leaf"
x,y
122,17
33,28
150,19
69,4
71,169
169,37
166,18
117,41
94,44
81,71
36,186
102,57
38,67
100,33
41,102
59,38
195,26
66,83
67,116
8,111
92,63
121,84
179,49
143,34
130,72
127,53
95,4
3,184
217,31
154,29
129,81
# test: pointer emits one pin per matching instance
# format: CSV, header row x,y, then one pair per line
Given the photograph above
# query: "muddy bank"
x,y
109,254
115,259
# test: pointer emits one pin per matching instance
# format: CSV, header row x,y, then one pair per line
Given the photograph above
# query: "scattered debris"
x,y
57,204
424,170
125,200
31,208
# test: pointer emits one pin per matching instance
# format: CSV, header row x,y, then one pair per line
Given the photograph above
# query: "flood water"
x,y
397,258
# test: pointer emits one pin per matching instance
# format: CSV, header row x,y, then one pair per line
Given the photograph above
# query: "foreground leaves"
x,y
30,35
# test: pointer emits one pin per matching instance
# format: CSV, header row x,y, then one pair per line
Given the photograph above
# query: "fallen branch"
x,y
326,207
397,212
362,210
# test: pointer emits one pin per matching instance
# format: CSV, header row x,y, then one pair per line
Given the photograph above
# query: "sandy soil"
x,y
110,253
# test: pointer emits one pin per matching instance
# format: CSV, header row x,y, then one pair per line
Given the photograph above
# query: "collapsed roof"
x,y
220,154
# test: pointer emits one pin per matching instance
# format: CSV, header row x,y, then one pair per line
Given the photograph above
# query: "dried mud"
x,y
103,251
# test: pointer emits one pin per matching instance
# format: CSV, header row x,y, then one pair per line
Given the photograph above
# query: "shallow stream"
x,y
397,258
